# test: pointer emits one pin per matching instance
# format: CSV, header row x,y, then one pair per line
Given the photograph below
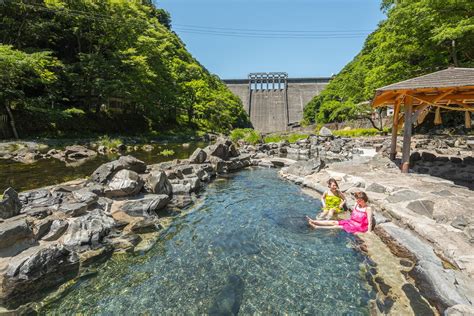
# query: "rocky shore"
x,y
52,235
425,219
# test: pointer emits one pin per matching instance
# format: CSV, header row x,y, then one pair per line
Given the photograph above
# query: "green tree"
x,y
418,37
24,76
119,51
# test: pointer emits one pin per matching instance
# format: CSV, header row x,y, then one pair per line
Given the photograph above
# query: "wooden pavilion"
x,y
451,89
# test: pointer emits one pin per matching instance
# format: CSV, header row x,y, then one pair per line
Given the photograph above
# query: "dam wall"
x,y
273,101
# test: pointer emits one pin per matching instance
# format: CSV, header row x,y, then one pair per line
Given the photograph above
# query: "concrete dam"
x,y
273,101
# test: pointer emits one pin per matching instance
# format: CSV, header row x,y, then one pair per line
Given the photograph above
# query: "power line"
x,y
198,27
275,36
220,31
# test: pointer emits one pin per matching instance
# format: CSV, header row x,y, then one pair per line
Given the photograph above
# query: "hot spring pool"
x,y
244,248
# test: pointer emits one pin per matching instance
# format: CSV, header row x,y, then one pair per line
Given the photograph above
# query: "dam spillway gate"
x,y
273,101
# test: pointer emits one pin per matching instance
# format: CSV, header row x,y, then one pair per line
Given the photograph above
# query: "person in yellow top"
x,y
333,201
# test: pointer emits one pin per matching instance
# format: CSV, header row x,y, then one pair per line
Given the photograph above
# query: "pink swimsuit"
x,y
358,223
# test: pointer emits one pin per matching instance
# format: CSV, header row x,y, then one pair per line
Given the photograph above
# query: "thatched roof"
x,y
451,77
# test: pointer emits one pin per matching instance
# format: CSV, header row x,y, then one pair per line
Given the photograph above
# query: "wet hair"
x,y
332,180
361,195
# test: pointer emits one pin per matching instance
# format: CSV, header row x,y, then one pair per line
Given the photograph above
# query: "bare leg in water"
x,y
323,224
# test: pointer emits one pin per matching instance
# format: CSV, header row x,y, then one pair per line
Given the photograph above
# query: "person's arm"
x,y
369,218
323,199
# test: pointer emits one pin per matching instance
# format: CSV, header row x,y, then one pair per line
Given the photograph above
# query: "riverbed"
x,y
245,247
52,171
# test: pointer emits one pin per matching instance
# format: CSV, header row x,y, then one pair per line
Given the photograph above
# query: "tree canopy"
x,y
418,37
88,54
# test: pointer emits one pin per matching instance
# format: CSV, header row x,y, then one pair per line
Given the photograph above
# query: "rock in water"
x,y
10,205
229,299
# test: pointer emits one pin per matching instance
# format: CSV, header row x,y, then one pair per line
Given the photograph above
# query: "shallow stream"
x,y
244,248
51,171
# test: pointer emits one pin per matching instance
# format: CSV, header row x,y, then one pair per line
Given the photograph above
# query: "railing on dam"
x,y
274,101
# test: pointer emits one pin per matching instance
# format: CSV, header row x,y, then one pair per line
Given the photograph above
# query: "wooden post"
x,y
407,134
393,144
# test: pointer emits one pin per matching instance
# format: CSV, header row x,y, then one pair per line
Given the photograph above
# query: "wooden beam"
x,y
383,97
407,134
393,144
431,99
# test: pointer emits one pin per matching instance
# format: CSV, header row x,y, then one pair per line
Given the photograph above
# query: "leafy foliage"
x,y
291,138
109,142
248,135
418,37
108,56
357,132
167,152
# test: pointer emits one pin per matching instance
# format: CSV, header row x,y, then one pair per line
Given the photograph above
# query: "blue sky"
x,y
232,38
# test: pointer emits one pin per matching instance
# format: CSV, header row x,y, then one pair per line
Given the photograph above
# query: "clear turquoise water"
x,y
245,248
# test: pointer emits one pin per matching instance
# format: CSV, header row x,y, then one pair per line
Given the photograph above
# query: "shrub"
x,y
108,142
248,135
359,132
291,138
74,112
167,152
273,138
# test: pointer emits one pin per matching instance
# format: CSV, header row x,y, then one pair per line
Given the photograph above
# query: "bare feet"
x,y
312,225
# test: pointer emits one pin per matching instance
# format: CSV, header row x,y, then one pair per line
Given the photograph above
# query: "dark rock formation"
x,y
10,205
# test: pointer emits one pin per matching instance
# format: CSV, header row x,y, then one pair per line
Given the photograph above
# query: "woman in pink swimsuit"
x,y
360,221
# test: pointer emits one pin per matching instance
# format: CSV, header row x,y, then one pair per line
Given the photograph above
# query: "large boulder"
x,y
77,152
14,231
29,274
181,188
219,149
106,171
124,183
10,205
86,196
89,229
198,156
157,182
145,206
73,209
306,168
218,164
325,132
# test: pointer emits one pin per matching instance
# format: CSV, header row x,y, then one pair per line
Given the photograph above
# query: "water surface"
x,y
52,171
245,248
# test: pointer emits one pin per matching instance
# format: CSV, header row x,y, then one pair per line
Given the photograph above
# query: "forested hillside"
x,y
102,66
418,37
